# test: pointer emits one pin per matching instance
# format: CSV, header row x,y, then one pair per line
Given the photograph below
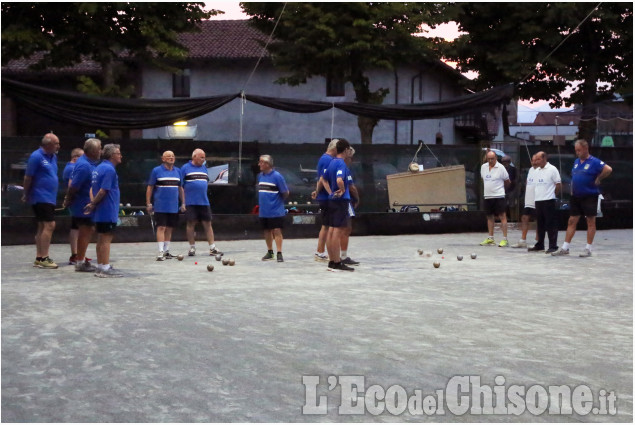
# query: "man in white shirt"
x,y
495,179
547,187
529,211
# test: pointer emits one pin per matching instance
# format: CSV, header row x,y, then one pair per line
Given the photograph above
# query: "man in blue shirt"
x,y
104,202
272,191
40,190
588,171
66,176
194,180
78,196
321,195
337,175
165,185
354,203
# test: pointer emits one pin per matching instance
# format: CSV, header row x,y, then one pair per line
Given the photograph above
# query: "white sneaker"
x,y
519,245
586,253
560,252
108,273
192,252
323,257
160,257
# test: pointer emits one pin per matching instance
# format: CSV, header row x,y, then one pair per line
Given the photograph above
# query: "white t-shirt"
x,y
546,180
494,180
530,189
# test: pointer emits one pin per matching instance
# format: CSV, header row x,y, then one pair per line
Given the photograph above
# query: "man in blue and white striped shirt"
x,y
194,180
165,186
272,191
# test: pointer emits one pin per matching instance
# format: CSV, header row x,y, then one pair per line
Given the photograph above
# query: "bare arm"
x,y
182,197
149,199
27,187
606,171
94,200
341,188
70,195
354,195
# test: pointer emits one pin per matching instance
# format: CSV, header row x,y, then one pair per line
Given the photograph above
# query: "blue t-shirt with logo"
x,y
194,181
337,168
271,186
584,174
81,179
322,165
105,177
166,189
42,168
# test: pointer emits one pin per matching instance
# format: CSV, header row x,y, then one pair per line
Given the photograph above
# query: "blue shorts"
x,y
338,213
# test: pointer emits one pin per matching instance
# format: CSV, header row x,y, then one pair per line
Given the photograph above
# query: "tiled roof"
x,y
231,39
563,118
21,66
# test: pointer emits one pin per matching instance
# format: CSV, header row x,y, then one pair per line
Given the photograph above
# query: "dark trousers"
x,y
547,220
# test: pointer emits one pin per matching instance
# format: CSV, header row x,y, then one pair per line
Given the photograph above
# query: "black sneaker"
x,y
350,262
343,267
168,256
550,250
331,266
268,256
535,249
279,257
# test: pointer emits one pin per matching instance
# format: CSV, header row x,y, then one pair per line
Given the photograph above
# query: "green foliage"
x,y
345,40
512,42
108,33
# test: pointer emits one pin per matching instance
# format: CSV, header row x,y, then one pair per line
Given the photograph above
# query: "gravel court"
x,y
173,342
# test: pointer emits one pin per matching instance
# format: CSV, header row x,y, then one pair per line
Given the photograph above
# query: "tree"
x,y
344,41
515,42
108,33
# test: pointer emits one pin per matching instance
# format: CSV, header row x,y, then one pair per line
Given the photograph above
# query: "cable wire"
x,y
264,49
563,41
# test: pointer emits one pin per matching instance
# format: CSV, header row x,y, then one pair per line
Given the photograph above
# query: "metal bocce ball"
x,y
210,267
225,262
440,250
179,257
218,257
459,257
473,256
436,264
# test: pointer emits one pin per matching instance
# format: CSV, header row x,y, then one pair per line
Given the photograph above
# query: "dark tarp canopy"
x,y
117,113
109,112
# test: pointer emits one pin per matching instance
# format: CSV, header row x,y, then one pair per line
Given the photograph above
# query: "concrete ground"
x,y
172,342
